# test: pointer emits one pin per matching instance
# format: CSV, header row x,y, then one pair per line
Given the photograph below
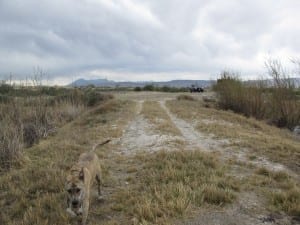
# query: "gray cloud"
x,y
144,39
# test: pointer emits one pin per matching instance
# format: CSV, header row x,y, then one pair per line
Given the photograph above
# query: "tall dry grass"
x,y
25,120
11,135
235,95
284,101
277,102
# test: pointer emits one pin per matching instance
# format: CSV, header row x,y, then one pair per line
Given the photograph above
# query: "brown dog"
x,y
80,181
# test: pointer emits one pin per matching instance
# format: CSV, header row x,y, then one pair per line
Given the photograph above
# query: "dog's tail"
x,y
99,144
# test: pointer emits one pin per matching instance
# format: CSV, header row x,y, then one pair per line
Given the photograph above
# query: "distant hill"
x,y
110,83
97,82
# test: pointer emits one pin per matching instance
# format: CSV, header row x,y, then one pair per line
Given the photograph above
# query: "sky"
x,y
139,40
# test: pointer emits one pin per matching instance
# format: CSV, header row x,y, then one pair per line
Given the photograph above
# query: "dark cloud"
x,y
142,38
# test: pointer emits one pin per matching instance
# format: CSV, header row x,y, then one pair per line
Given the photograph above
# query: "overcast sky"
x,y
145,39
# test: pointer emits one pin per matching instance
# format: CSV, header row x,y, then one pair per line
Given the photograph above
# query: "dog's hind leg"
x,y
99,183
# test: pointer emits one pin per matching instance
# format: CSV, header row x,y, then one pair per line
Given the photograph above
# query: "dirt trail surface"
x,y
141,136
193,138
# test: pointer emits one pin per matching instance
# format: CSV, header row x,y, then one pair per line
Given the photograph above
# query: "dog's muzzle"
x,y
75,204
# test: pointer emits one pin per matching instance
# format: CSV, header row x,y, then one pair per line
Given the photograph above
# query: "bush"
x,y
5,88
93,97
278,104
231,92
151,87
30,134
148,87
137,89
284,102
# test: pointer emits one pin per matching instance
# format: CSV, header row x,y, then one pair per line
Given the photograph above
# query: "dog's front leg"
x,y
85,209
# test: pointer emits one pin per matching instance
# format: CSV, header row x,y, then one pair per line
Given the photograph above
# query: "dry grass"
x,y
27,119
11,136
281,190
172,184
153,112
34,193
259,138
23,125
277,104
185,97
287,200
149,188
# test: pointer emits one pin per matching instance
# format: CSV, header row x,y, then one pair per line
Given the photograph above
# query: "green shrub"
x,y
149,87
5,88
137,89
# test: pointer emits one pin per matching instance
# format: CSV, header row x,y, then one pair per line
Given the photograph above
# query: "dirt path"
x,y
194,139
140,135
249,209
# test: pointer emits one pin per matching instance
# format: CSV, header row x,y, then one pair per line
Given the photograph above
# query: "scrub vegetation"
x,y
181,179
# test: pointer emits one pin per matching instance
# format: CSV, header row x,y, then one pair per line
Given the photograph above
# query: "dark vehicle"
x,y
196,89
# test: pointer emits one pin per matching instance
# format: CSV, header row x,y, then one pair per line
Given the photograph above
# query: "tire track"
x,y
140,135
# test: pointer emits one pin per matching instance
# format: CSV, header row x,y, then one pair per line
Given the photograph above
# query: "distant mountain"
x,y
110,83
98,82
184,83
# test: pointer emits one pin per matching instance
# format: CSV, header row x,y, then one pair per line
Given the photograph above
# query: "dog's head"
x,y
75,192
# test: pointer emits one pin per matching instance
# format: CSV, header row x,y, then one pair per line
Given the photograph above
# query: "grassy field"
x,y
255,139
261,139
156,187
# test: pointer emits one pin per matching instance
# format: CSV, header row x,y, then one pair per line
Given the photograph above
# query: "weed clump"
x,y
171,183
284,194
186,97
288,201
93,97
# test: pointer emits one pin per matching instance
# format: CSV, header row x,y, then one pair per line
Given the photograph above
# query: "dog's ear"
x,y
81,174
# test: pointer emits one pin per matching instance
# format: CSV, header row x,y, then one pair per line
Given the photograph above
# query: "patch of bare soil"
x,y
141,136
194,139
